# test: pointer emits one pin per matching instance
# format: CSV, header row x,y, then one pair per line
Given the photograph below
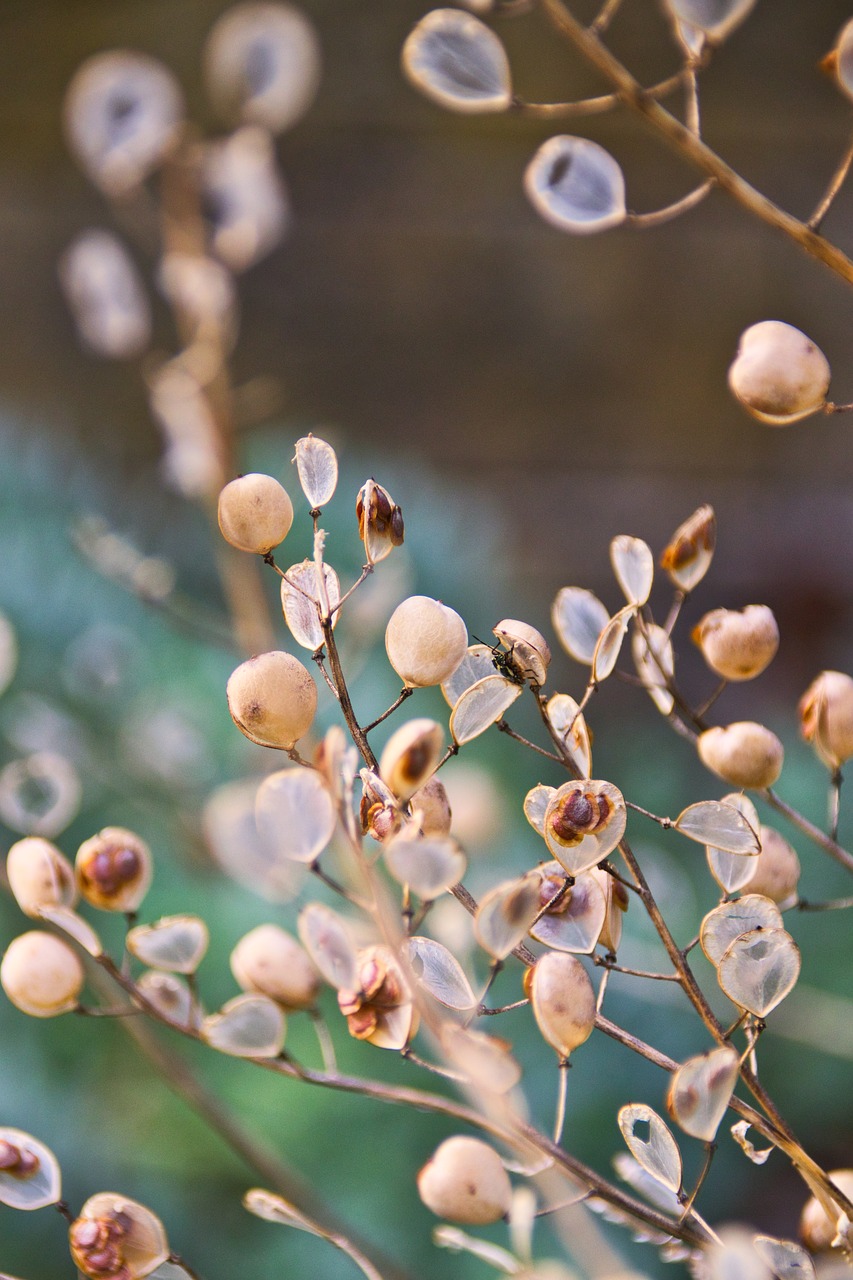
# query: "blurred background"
x,y
524,396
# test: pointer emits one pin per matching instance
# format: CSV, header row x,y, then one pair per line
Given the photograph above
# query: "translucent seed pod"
x,y
458,62
8,652
255,513
617,899
776,871
715,18
584,821
114,869
576,185
40,876
379,1009
272,699
465,1181
431,808
528,655
30,1176
117,1239
744,753
202,290
410,756
817,1229
688,555
778,374
268,961
425,641
246,197
826,717
563,1000
738,645
106,297
41,974
39,794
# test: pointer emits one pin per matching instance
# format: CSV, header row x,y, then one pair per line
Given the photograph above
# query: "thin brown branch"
x,y
836,182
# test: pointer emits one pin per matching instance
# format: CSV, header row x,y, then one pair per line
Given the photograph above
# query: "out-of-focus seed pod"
x,y
826,717
738,645
839,61
432,808
410,756
117,1239
745,754
617,899
425,641
563,1000
39,876
465,1181
380,521
379,811
777,868
268,961
272,699
106,296
778,374
817,1229
41,975
255,513
379,1009
247,199
114,869
688,556
527,656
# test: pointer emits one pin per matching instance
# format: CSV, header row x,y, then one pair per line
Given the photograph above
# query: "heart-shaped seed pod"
x,y
744,754
738,645
778,374
268,961
584,821
410,756
817,1229
255,513
41,975
39,876
425,641
114,869
777,869
563,1000
465,1181
272,699
826,717
527,656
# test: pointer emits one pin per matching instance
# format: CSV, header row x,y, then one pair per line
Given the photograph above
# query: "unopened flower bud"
x,y
268,961
410,756
39,875
432,808
114,870
465,1181
745,754
779,374
255,513
425,641
817,1229
777,868
738,645
562,999
527,656
41,975
826,717
272,699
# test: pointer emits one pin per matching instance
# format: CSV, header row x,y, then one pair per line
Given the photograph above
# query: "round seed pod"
x,y
738,645
410,756
425,641
465,1181
777,868
39,875
41,975
563,1000
826,717
778,374
528,655
114,869
817,1230
255,513
744,754
272,699
431,804
268,961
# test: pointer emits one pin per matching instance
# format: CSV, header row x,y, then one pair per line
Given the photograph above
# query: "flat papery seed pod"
x,y
609,644
700,1091
733,1256
563,1001
634,567
651,1143
74,926
325,937
480,706
174,943
144,1246
578,618
106,296
632,1172
535,803
39,794
758,969
527,653
477,663
568,721
317,465
458,62
274,1208
247,196
506,913
231,833
578,920
247,1027
688,555
295,814
733,870
30,1176
440,973
169,995
576,185
716,18
411,756
486,1060
651,649
429,865
728,921
584,821
299,602
720,824
786,1259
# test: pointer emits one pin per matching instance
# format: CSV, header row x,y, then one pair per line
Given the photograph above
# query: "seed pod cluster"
x,y
464,1181
255,513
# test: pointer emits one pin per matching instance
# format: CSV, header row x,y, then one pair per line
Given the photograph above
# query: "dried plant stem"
x,y
589,106
562,1093
657,218
836,182
342,693
398,702
814,833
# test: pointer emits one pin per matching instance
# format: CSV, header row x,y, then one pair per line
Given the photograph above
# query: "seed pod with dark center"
x,y
117,1239
688,556
745,754
465,1181
738,645
410,756
114,869
826,717
584,821
18,1161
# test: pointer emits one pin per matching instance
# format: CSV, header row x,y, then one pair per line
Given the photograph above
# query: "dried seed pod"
x,y
410,756
41,975
745,754
272,699
105,294
270,962
247,201
379,1008
431,808
255,513
379,810
563,1000
117,1239
839,61
617,899
39,876
738,645
778,374
826,717
114,869
817,1229
380,521
527,656
688,556
425,641
584,821
777,868
465,1181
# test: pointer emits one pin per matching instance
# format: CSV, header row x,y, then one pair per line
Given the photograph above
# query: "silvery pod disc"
x,y
458,61
576,185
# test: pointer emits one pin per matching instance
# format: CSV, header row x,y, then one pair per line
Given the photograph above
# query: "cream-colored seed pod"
x,y
432,807
41,975
777,868
114,869
39,875
268,961
272,699
817,1230
425,641
410,756
826,717
465,1181
563,1000
778,374
255,513
528,655
745,754
738,645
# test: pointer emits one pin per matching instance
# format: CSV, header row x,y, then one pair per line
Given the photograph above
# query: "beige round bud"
x,y
563,1000
778,374
817,1230
465,1181
272,699
114,869
425,641
41,975
431,805
738,645
39,875
528,655
255,513
410,756
744,753
268,961
826,717
777,868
